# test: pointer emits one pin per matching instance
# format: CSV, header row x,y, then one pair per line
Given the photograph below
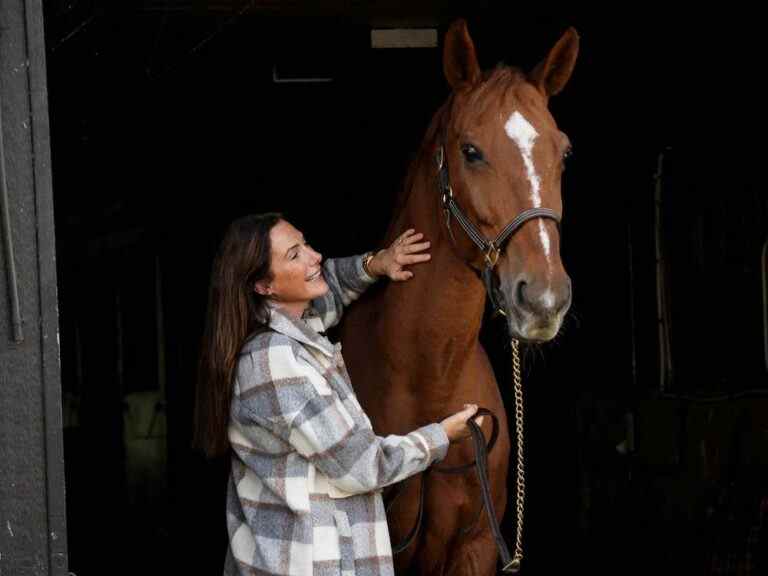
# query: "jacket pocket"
x,y
319,483
335,492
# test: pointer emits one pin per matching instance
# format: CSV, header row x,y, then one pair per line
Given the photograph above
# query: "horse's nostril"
x,y
566,300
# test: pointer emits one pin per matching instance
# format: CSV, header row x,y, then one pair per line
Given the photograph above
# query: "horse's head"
x,y
505,155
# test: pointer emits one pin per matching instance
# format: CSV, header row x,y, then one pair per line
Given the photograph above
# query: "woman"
x,y
304,493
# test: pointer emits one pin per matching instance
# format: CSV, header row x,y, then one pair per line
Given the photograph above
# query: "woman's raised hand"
x,y
406,250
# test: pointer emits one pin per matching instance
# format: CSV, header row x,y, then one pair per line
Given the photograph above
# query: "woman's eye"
x,y
471,153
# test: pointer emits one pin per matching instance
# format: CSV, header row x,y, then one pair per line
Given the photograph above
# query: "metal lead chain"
x,y
520,480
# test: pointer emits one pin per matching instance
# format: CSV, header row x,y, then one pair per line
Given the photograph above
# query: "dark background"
x,y
166,124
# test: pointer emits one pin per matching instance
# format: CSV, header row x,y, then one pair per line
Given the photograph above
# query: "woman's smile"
x,y
314,275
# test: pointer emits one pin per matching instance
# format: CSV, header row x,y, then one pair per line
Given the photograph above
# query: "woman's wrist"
x,y
367,260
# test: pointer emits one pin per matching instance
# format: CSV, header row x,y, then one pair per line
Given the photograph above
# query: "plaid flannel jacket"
x,y
304,495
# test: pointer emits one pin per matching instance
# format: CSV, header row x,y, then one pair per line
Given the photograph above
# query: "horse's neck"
x,y
441,307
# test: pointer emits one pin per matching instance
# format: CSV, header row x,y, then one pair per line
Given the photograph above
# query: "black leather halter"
x,y
490,248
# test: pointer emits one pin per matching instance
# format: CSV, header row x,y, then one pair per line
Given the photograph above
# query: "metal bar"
x,y
632,320
665,356
764,260
629,416
18,333
48,326
160,325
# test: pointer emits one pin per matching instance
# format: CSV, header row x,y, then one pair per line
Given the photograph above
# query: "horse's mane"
x,y
426,149
495,86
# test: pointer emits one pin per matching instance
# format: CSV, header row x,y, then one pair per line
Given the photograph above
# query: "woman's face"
x,y
297,276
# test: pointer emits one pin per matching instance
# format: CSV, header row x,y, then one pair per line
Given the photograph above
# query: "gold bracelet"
x,y
367,257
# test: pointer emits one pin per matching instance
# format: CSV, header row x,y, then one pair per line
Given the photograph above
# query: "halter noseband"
x,y
491,249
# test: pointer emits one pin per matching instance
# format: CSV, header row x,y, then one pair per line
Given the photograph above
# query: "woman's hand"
x,y
456,427
404,251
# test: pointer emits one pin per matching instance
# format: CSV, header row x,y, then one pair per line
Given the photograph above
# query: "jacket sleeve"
x,y
346,279
294,402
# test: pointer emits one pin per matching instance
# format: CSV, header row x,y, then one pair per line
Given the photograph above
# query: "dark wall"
x,y
168,125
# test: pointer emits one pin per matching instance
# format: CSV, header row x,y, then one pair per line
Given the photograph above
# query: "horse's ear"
x,y
459,58
551,74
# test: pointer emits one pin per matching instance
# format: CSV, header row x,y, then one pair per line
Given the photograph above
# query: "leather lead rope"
x,y
510,564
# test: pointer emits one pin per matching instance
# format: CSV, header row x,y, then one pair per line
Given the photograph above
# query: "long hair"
x,y
235,312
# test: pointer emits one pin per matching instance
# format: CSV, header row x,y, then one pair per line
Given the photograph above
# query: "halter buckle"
x,y
447,197
491,255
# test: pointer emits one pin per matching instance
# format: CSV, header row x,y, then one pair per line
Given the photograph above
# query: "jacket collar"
x,y
304,329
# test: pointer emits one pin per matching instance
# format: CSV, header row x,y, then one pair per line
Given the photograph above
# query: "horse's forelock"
x,y
494,89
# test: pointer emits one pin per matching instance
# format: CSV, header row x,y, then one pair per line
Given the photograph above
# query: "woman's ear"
x,y
263,287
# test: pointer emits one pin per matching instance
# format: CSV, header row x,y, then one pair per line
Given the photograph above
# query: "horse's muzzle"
x,y
534,311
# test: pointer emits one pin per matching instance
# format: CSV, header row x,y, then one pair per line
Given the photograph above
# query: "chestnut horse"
x,y
412,348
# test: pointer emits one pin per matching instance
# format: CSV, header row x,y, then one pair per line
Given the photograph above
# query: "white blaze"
x,y
544,237
522,133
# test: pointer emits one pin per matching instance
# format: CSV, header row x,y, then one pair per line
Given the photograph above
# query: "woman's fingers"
x,y
405,259
403,238
455,426
417,247
408,237
407,249
412,237
402,275
470,410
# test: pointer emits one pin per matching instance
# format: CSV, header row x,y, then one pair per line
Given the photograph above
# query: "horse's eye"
x,y
471,153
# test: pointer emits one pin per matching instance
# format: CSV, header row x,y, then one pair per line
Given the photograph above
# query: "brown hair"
x,y
235,312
